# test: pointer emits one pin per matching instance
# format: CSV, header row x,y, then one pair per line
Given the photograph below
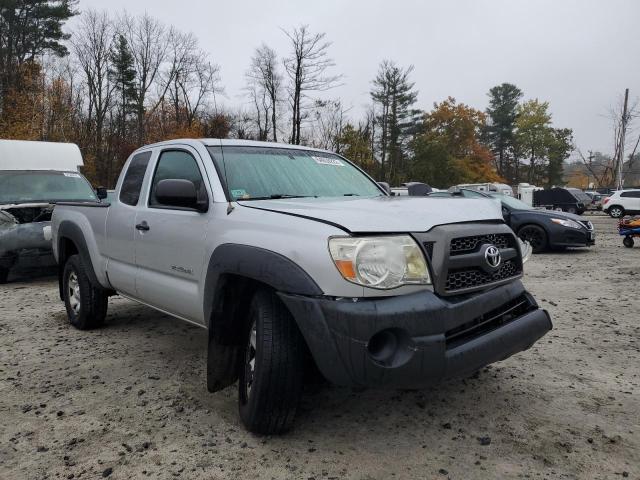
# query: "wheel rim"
x,y
533,236
250,361
616,212
73,292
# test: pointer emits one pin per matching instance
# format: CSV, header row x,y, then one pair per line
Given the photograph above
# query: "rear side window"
x,y
132,183
634,194
177,164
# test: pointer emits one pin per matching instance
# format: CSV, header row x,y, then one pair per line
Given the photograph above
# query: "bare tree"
x,y
148,40
306,68
264,85
92,47
329,119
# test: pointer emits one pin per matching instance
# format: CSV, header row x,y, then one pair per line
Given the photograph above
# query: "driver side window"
x,y
176,164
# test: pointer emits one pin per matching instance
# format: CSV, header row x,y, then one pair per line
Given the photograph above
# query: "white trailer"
x,y
525,192
26,155
501,188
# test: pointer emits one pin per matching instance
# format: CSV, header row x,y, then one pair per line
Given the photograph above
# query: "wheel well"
x,y
228,322
231,307
530,224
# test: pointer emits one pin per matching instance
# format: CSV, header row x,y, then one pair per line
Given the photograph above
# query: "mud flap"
x,y
223,364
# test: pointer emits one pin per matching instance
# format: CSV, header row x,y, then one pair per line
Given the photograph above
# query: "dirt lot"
x,y
129,400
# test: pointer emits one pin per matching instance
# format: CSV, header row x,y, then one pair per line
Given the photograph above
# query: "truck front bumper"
x,y
419,339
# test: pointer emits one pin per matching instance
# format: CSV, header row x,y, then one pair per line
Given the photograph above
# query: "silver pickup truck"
x,y
288,255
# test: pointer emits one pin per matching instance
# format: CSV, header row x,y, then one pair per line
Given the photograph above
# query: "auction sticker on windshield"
x,y
72,175
328,161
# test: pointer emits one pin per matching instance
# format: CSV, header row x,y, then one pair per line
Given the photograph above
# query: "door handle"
x,y
143,226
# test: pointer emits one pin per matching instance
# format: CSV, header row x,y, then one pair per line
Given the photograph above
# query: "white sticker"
x,y
328,161
72,175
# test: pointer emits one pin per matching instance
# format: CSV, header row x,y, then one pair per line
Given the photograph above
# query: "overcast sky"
x,y
579,55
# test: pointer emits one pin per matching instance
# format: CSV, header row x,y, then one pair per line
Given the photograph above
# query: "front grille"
x,y
462,245
474,277
488,322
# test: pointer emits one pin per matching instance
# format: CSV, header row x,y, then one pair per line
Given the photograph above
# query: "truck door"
x,y
120,231
170,242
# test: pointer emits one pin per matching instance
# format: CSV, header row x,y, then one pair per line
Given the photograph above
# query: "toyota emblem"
x,y
492,256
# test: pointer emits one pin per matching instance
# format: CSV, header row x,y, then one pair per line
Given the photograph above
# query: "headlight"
x,y
380,262
525,248
565,222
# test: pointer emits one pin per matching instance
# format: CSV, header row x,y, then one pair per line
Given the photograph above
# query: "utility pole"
x,y
623,132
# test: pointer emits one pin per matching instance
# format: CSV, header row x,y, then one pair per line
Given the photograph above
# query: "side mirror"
x,y
180,193
386,187
101,193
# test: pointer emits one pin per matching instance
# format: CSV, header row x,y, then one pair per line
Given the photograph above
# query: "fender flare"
x,y
224,357
260,264
71,231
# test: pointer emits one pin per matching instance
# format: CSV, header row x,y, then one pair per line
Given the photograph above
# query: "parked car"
x,y
286,251
570,200
621,203
33,177
543,229
596,200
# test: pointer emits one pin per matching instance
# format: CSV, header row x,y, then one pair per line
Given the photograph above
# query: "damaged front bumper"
x,y
25,236
418,339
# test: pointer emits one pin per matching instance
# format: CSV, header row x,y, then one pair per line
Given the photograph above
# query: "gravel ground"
x,y
129,400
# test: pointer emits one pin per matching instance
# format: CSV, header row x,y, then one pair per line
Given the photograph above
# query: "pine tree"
x,y
123,75
28,29
499,133
394,95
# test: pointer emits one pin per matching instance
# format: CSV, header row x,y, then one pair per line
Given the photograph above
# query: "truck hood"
x,y
384,214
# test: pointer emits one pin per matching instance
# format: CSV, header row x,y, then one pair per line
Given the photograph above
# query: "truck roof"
x,y
28,155
217,142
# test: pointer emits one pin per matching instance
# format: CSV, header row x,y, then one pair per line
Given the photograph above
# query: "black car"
x,y
543,229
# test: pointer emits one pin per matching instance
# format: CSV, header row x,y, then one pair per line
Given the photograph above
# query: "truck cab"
x,y
287,255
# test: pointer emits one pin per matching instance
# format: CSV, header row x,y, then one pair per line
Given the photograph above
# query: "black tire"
x,y
571,210
4,274
616,211
86,303
269,390
536,236
628,242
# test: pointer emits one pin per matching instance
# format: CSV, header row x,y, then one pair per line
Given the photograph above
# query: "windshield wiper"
x,y
277,196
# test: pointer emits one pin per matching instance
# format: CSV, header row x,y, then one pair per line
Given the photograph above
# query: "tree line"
x,y
117,82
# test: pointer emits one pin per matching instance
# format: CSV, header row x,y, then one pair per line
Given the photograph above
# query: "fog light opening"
x,y
390,347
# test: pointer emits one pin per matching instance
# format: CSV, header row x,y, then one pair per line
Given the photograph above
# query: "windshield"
x,y
511,202
41,186
254,173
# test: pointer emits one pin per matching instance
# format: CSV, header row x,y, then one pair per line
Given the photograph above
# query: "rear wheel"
x,y
616,211
535,235
272,375
628,242
4,274
86,303
571,210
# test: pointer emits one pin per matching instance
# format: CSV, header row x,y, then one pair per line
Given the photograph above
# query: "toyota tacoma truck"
x,y
289,255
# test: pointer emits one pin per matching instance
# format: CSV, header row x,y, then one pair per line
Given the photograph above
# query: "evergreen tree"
x,y
393,93
499,132
29,28
123,75
559,149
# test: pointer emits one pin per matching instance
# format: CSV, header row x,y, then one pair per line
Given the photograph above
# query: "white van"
x,y
33,177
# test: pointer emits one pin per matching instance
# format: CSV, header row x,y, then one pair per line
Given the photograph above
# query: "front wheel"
x,y
86,303
535,235
628,242
272,374
616,211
